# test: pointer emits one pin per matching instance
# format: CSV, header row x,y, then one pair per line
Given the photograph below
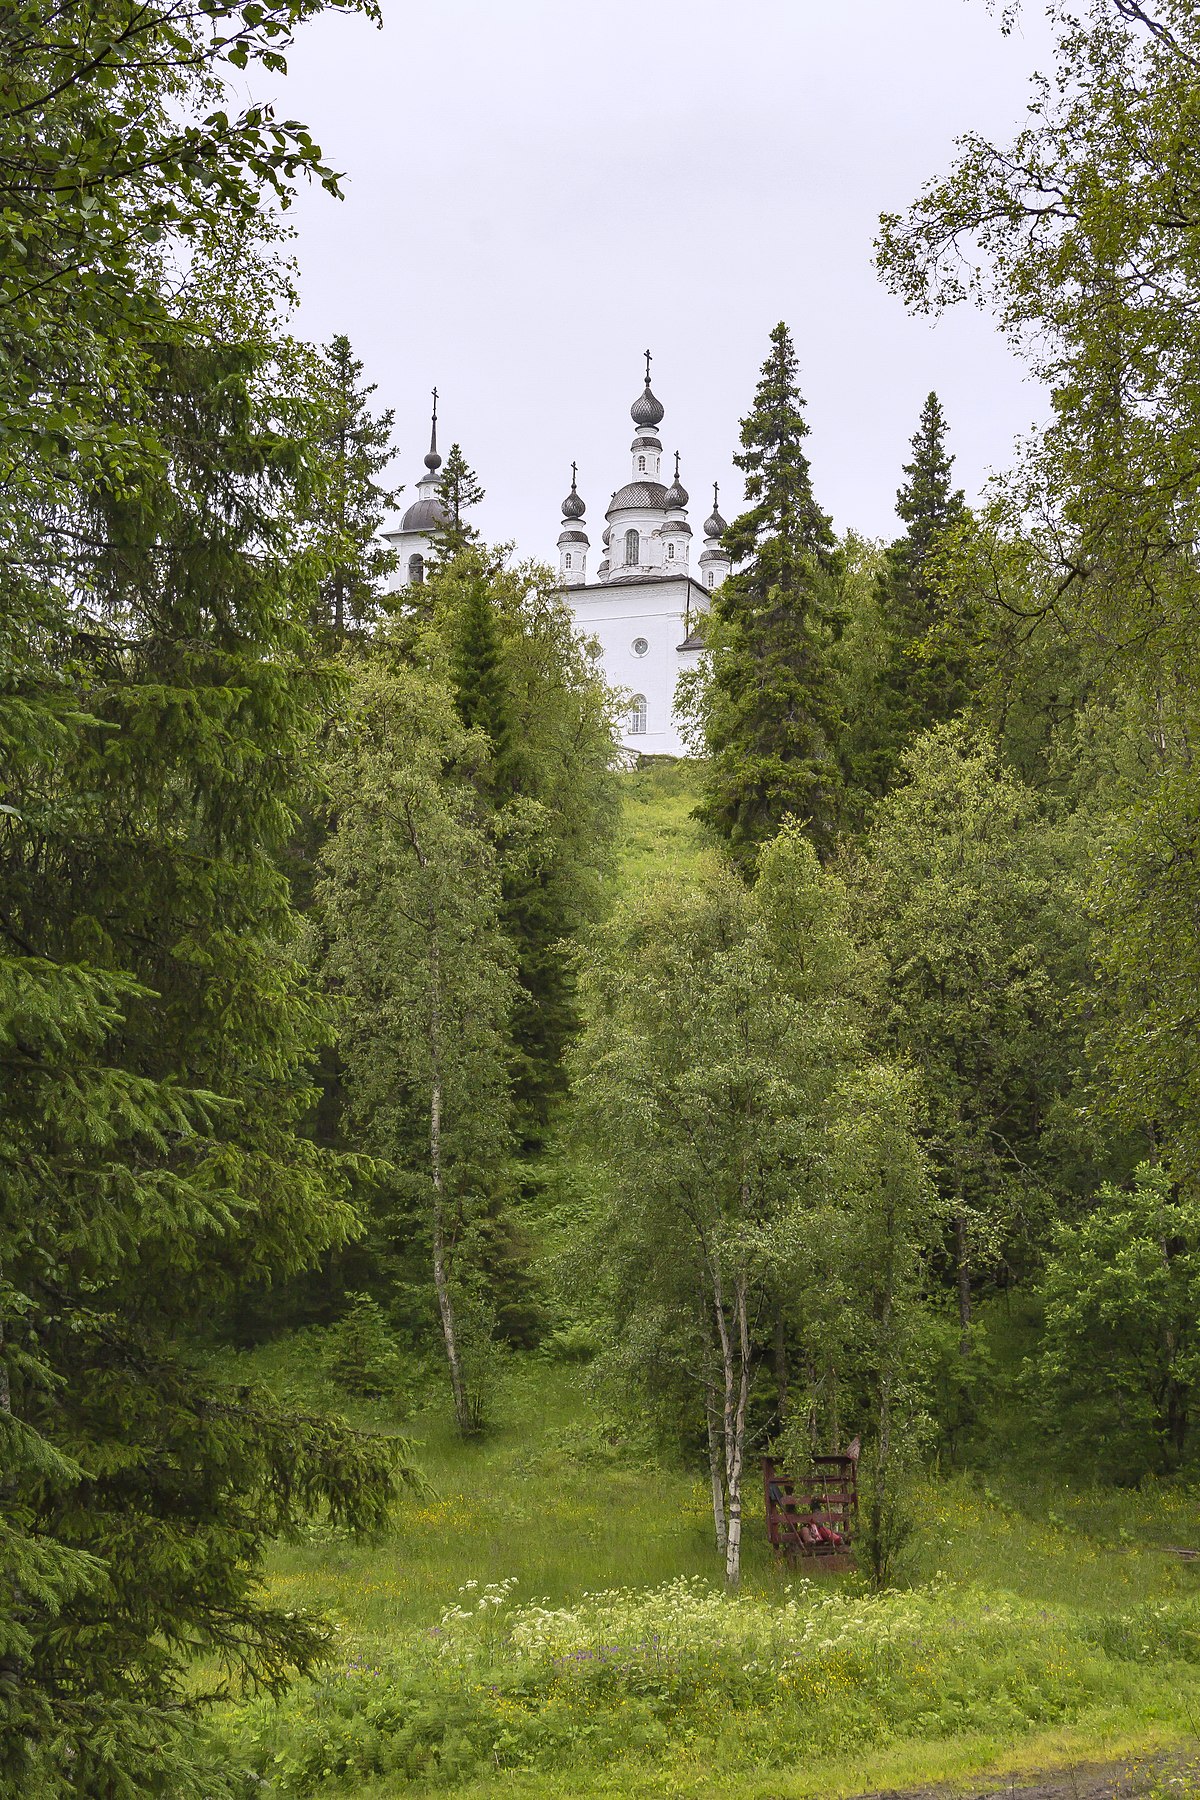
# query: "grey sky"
x,y
537,191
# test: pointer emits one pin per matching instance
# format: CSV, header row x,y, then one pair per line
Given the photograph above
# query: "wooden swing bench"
x,y
826,1496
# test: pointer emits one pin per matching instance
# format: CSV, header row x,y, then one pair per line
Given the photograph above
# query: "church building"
x,y
643,603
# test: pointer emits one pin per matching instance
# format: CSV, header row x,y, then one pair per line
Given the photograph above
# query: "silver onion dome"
x,y
573,507
714,525
676,495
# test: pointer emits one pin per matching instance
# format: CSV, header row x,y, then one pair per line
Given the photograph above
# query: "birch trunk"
x,y
715,1471
441,1279
735,1442
733,1526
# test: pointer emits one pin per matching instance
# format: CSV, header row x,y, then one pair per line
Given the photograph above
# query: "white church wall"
x,y
624,617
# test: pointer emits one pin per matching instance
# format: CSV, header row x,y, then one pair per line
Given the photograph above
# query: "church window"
x,y
567,560
633,554
639,646
416,570
637,716
710,578
641,465
670,553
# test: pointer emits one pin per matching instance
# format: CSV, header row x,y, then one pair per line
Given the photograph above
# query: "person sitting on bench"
x,y
816,1531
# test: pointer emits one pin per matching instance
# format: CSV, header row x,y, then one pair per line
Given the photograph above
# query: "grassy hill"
x,y
657,833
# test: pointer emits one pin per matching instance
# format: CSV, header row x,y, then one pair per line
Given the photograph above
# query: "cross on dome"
x,y
433,461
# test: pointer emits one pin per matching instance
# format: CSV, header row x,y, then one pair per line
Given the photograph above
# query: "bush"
x,y
575,1343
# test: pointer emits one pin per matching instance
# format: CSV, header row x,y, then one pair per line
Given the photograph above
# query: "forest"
x,y
441,1157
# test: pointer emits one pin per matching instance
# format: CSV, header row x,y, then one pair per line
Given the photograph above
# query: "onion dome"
x,y
602,571
714,525
606,540
573,507
646,410
676,496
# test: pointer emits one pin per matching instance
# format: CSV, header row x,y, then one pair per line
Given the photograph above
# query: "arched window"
x,y
633,549
710,578
670,553
641,465
416,569
637,716
567,560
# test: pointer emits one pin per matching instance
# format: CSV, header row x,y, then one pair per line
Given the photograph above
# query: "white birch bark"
x,y
441,1280
737,1444
715,1471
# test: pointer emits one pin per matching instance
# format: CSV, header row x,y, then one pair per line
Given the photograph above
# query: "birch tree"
x,y
409,901
709,1056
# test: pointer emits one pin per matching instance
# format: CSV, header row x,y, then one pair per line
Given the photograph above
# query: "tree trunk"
x,y
962,1258
441,1280
715,1471
735,1445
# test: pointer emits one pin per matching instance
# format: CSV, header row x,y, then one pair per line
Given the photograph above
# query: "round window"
x,y
640,646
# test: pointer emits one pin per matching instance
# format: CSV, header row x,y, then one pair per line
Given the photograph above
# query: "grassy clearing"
x,y
605,1661
657,834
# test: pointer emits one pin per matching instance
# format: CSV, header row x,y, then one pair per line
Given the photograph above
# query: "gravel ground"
x,y
1165,1776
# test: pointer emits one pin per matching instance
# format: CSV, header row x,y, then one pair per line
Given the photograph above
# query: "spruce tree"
x,y
351,503
925,674
458,488
482,694
155,1034
770,702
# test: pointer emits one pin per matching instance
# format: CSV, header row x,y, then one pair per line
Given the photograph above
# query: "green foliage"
x,y
634,1677
1073,236
924,674
1117,1368
156,1032
349,505
769,697
522,678
361,1352
967,889
458,488
409,909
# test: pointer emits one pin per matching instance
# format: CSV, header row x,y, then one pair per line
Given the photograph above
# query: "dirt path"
x,y
1093,1781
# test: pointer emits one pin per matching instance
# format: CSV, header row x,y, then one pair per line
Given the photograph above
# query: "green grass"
x,y
657,834
1033,1641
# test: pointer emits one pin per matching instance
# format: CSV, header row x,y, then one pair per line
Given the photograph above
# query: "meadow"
x,y
545,1618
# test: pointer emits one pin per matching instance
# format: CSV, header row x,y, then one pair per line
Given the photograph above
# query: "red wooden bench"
x,y
832,1482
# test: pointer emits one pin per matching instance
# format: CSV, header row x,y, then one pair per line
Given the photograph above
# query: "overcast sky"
x,y
538,190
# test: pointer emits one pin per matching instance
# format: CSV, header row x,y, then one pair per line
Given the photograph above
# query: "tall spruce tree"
x,y
157,1033
351,502
482,693
521,677
925,676
458,489
770,700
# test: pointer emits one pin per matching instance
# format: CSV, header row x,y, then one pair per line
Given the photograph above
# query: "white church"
x,y
644,601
